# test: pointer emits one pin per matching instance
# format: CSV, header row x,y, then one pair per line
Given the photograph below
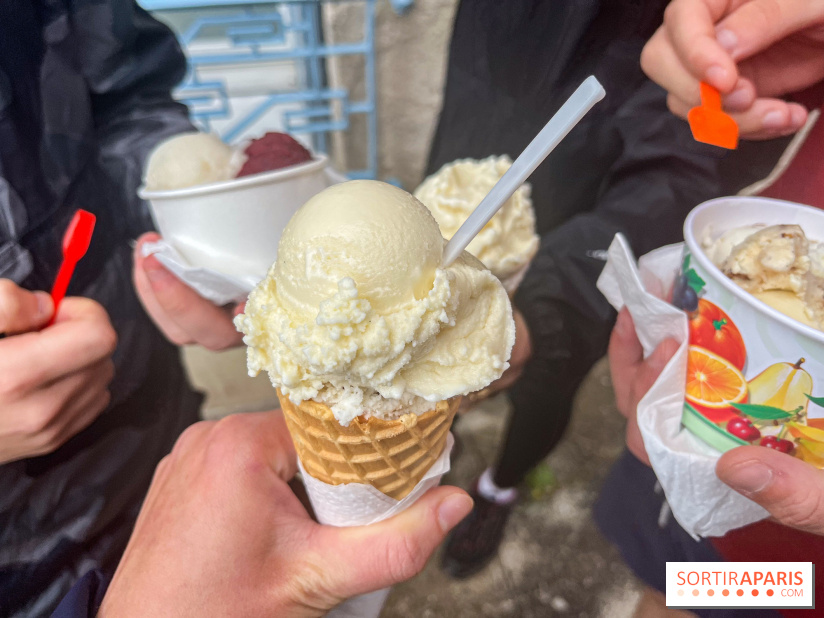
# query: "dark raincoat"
x,y
84,95
630,166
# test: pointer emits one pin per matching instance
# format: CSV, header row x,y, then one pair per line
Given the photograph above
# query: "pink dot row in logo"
x,y
726,593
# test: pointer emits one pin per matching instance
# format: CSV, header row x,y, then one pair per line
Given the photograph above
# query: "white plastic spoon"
x,y
570,114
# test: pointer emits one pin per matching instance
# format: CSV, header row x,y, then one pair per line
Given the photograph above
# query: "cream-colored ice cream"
x,y
814,294
787,303
508,242
719,250
191,159
778,265
357,314
773,258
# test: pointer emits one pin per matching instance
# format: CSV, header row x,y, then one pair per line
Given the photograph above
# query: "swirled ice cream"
x,y
356,312
508,242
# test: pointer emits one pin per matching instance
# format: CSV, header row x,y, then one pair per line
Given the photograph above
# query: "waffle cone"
x,y
391,456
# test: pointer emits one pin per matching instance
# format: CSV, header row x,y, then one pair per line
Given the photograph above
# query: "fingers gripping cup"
x,y
752,284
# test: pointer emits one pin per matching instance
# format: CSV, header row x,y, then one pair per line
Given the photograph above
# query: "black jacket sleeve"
x,y
84,598
131,68
660,174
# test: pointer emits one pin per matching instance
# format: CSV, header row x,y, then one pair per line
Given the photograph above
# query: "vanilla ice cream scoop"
x,y
190,159
356,312
370,232
508,242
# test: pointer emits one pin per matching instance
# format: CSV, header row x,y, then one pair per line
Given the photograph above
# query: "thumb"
x,y
396,549
650,370
754,26
625,351
22,311
790,489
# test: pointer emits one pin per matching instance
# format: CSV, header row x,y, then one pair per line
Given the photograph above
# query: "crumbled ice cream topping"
x,y
357,313
764,259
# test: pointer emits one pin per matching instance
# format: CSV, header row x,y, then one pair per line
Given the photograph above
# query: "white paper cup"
x,y
234,226
774,342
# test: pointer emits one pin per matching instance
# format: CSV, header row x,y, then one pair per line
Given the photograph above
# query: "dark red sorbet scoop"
x,y
273,151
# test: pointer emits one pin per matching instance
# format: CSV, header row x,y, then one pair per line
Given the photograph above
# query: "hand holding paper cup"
x,y
738,376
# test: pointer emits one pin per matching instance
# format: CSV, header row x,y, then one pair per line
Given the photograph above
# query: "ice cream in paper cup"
x,y
752,283
221,208
745,372
232,226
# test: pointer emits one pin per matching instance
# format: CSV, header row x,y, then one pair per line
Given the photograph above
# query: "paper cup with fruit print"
x,y
755,375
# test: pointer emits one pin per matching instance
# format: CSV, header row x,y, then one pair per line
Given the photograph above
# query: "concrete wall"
x,y
411,54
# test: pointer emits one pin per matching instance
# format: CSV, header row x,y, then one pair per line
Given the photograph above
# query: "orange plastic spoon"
x,y
709,124
75,244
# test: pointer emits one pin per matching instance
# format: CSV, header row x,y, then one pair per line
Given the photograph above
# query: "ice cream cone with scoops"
x,y
370,343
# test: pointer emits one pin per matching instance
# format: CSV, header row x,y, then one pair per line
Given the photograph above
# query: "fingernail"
x,y
624,324
774,120
749,478
658,359
739,99
452,510
717,75
798,116
44,305
726,39
154,269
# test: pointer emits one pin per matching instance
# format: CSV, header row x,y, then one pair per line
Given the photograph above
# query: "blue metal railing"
x,y
260,32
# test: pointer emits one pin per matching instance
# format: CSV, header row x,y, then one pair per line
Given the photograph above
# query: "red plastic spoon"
x,y
709,124
75,244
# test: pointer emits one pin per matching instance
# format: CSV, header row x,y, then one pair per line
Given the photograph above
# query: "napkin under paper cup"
x,y
684,465
217,287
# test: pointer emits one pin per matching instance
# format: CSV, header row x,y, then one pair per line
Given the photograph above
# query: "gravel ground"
x,y
553,561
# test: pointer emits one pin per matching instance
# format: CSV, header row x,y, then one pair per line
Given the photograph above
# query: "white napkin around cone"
x,y
684,465
358,504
